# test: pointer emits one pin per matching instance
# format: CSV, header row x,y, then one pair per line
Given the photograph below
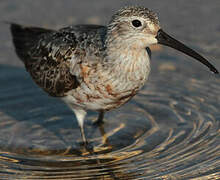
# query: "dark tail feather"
x,y
26,38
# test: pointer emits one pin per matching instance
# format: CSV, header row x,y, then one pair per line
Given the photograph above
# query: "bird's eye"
x,y
136,23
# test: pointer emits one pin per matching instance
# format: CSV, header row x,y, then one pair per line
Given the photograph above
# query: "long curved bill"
x,y
164,39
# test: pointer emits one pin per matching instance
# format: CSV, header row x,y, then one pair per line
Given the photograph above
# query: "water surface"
x,y
170,130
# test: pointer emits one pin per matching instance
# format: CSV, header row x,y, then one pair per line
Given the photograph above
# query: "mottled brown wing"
x,y
47,55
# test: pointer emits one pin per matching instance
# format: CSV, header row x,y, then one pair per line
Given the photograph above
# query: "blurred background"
x,y
196,22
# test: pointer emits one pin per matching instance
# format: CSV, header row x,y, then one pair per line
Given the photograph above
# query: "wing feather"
x,y
53,58
46,55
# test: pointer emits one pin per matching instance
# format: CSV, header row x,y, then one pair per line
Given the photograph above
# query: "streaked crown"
x,y
133,11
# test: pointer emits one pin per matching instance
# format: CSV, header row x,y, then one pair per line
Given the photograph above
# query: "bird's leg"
x,y
104,136
100,118
80,116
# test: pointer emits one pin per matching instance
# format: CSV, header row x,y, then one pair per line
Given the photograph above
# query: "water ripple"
x,y
170,130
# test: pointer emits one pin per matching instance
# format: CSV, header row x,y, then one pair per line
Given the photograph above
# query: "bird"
x,y
95,67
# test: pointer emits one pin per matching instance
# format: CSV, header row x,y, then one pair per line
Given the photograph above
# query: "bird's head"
x,y
138,27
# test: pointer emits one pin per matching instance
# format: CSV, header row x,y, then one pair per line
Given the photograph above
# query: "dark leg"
x,y
100,118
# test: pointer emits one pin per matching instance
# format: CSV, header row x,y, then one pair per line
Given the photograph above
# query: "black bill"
x,y
164,39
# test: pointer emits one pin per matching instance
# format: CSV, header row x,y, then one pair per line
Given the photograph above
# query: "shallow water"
x,y
170,130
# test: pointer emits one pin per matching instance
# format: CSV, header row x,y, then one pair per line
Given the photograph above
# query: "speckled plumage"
x,y
135,11
90,66
86,62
